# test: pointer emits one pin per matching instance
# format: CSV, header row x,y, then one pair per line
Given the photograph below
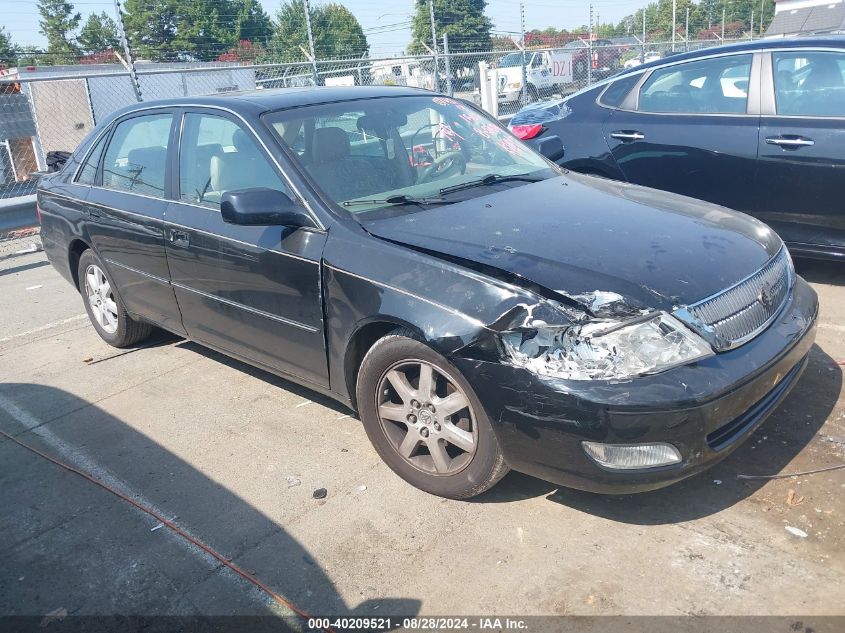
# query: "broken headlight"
x,y
602,350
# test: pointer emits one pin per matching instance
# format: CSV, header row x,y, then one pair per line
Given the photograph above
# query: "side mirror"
x,y
551,147
262,206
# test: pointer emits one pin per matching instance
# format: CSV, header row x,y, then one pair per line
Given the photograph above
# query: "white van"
x,y
546,72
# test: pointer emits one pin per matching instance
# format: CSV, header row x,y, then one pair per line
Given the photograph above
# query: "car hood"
x,y
574,235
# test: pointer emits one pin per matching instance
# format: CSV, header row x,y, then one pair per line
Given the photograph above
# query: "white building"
x,y
804,17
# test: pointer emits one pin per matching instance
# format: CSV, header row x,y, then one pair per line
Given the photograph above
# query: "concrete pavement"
x,y
217,444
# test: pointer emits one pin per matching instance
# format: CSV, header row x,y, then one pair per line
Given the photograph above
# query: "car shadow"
x,y
266,376
767,451
68,542
819,271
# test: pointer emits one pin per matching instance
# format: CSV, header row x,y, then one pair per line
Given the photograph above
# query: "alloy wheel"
x,y
101,298
426,417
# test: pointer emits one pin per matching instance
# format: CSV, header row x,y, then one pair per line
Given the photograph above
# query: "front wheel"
x,y
425,421
104,306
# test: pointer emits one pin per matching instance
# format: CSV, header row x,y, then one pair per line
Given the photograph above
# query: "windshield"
x,y
403,151
511,60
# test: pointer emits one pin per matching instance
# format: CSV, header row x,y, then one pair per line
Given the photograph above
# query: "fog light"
x,y
632,456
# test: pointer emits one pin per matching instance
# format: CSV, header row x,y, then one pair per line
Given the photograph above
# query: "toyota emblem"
x,y
765,296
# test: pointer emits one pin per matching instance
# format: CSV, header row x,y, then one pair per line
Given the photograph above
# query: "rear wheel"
x,y
104,306
425,421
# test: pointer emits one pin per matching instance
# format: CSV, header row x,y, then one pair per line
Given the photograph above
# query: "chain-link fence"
x,y
51,109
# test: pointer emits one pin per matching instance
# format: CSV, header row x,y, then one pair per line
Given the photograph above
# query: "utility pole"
x,y
525,95
130,61
723,23
590,51
642,49
751,31
311,42
674,23
761,17
434,47
450,87
686,32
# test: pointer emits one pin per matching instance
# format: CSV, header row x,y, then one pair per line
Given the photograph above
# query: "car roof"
x,y
810,41
258,101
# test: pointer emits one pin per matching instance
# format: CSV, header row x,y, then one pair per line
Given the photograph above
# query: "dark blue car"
x,y
758,127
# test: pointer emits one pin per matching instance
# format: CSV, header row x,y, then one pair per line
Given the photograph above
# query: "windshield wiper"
x,y
399,199
490,179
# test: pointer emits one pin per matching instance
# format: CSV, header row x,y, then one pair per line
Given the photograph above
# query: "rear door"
x,y
691,128
125,208
252,291
801,172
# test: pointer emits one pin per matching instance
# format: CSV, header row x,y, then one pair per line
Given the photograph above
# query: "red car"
x,y
602,58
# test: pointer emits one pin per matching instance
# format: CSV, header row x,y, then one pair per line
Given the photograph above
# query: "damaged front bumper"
x,y
705,410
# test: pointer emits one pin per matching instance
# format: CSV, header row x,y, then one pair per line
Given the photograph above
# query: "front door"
x,y
253,291
688,130
801,172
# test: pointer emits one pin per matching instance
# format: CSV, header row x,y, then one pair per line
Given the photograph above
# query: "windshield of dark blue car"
x,y
405,152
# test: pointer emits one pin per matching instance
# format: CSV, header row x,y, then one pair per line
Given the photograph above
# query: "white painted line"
x,y
36,287
341,417
302,404
44,328
81,460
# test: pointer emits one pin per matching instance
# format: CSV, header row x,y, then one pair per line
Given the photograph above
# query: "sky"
x,y
385,22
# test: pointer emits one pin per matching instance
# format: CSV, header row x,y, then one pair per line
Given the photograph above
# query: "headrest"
x,y
380,122
241,141
148,157
208,150
330,143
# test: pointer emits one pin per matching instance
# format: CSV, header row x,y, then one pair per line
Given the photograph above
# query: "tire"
x,y
397,427
104,307
580,71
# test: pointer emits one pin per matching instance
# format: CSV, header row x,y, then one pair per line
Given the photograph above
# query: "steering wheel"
x,y
447,164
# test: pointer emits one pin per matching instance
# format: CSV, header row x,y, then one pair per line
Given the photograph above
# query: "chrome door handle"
x,y
178,238
627,136
797,141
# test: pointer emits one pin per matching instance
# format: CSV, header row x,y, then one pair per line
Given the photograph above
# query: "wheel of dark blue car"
x,y
105,309
425,420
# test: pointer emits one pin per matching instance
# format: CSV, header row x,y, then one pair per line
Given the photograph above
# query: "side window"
x,y
217,156
709,86
616,92
88,172
809,83
136,157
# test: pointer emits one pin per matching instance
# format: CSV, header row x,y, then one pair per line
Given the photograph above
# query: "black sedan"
x,y
758,127
407,256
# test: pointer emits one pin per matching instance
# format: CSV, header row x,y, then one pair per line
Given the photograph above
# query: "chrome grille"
x,y
739,313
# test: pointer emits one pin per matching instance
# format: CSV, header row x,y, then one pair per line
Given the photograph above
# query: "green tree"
x,y
252,23
705,18
99,33
151,28
337,33
30,56
464,20
58,24
189,30
205,28
8,52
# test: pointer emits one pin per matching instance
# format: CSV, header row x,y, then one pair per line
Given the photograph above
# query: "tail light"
x,y
38,212
525,132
